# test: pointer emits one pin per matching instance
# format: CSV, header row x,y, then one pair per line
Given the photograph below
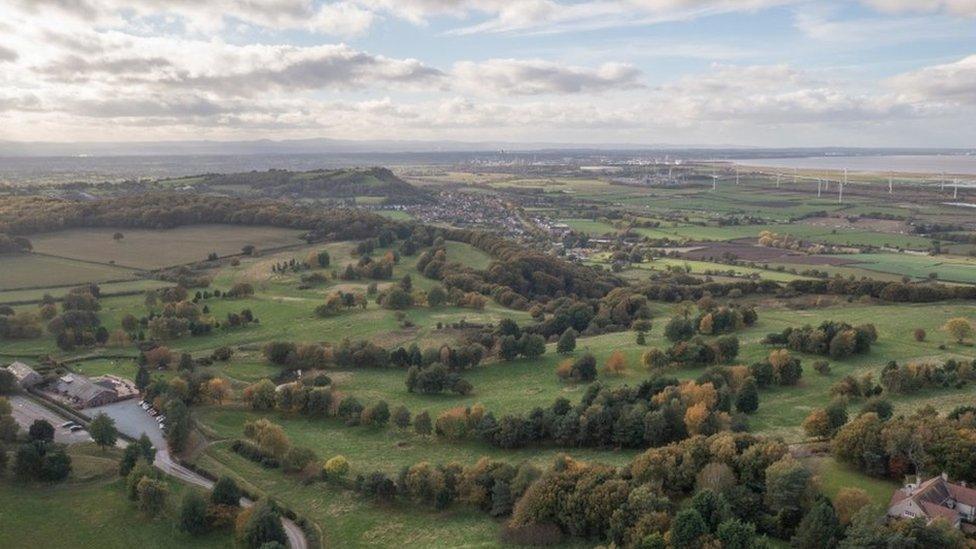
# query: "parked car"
x,y
67,424
76,428
152,412
145,405
160,419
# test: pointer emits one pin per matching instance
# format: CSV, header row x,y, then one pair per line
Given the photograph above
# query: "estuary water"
x,y
927,164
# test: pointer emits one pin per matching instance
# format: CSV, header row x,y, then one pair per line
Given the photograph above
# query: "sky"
x,y
771,73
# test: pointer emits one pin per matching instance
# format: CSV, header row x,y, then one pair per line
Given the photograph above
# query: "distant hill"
x,y
377,183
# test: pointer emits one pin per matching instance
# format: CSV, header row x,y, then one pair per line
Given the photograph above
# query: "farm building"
x,y
26,376
81,392
935,498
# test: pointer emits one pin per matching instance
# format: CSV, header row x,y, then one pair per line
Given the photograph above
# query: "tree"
x,y
747,399
134,451
567,342
8,428
225,492
261,525
788,485
436,297
103,431
616,364
261,395
508,347
712,508
193,513
178,425
818,529
959,328
218,389
687,529
584,368
8,382
817,424
679,329
152,494
532,345
735,534
41,430
848,502
401,417
142,379
422,424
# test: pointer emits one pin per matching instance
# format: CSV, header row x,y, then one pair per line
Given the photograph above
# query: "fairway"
x,y
154,249
38,271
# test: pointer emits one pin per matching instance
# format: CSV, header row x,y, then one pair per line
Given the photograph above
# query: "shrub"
x,y
193,513
297,459
225,492
336,468
919,334
822,367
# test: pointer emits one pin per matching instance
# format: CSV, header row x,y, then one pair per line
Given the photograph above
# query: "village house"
x,y
26,376
933,499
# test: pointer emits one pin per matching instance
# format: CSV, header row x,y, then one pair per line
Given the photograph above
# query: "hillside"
x,y
378,184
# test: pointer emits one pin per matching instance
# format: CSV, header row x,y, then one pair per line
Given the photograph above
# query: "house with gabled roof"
x,y
933,499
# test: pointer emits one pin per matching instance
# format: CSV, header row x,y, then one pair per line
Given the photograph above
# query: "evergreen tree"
x,y
747,400
820,528
567,342
225,492
501,499
687,529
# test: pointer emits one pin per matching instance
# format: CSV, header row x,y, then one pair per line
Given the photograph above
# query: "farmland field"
x,y
38,271
153,249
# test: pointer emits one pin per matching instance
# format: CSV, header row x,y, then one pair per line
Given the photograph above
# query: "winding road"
x,y
133,421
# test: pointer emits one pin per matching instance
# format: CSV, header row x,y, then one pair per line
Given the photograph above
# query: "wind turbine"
x,y
889,184
819,185
777,180
794,175
736,175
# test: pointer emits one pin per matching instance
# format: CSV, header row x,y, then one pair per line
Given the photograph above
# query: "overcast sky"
x,y
742,72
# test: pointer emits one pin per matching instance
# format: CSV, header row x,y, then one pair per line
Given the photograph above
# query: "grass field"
x,y
949,269
153,249
32,271
107,289
90,510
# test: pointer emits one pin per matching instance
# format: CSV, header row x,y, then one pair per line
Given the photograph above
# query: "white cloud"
x,y
952,83
338,18
534,77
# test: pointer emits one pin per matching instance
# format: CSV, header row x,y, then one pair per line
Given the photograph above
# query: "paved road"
x,y
133,421
26,411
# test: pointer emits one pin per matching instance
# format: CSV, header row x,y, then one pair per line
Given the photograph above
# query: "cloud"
x,y
337,18
7,54
953,83
534,77
954,7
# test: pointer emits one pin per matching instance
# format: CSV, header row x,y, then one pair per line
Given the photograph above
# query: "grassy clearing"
x,y
32,270
468,255
396,215
833,476
152,249
90,510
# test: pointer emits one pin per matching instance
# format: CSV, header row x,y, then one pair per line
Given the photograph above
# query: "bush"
x,y
225,492
919,335
260,524
252,452
297,459
336,468
822,367
193,513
